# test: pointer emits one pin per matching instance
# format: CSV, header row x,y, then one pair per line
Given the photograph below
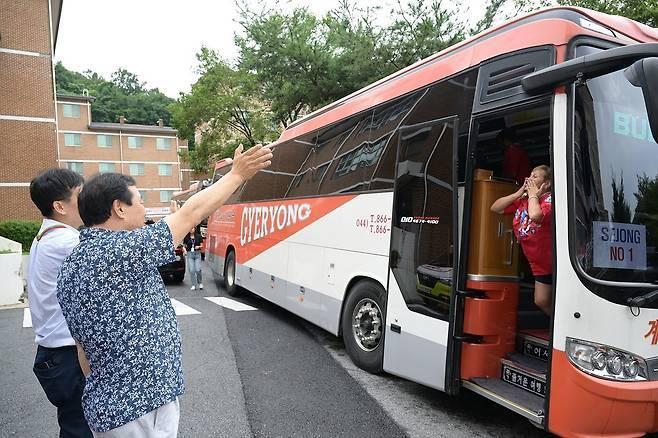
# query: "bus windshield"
x,y
615,177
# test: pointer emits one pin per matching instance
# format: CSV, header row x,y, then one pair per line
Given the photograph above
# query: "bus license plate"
x,y
523,380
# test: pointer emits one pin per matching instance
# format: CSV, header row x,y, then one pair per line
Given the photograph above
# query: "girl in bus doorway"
x,y
531,206
192,249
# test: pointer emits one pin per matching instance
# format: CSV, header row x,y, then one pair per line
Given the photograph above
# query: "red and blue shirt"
x,y
534,237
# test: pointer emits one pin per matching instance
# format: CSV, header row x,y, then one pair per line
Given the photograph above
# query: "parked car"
x,y
174,270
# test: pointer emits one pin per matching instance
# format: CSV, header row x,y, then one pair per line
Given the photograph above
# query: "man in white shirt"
x,y
55,193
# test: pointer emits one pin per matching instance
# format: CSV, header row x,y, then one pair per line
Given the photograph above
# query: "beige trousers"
x,y
159,423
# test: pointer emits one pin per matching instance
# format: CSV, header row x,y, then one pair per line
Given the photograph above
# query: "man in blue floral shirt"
x,y
116,305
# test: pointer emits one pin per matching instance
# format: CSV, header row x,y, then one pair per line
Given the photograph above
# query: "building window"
x,y
136,169
75,166
106,167
72,139
142,194
163,144
135,142
104,141
165,169
72,111
166,195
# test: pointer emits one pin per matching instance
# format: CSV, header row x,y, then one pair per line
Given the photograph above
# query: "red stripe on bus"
x,y
254,228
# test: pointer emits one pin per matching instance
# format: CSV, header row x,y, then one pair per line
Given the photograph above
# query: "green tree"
x,y
646,212
125,96
225,107
289,55
643,11
621,211
419,30
127,82
303,62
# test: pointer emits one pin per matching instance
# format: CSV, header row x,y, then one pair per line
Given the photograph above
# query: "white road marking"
x,y
27,318
230,304
183,309
179,308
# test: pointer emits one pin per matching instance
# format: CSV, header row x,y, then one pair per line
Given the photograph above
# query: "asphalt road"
x,y
264,373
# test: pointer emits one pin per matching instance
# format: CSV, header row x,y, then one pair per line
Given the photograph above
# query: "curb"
x,y
14,306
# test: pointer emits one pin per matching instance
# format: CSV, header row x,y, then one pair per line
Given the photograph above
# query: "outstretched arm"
x,y
204,203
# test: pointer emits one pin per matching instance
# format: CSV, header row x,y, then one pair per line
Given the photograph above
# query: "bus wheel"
x,y
363,326
229,275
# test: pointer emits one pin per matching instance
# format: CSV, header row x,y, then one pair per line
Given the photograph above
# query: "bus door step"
x,y
524,372
517,400
534,344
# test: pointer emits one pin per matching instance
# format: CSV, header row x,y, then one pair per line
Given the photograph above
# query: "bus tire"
x,y
229,275
362,324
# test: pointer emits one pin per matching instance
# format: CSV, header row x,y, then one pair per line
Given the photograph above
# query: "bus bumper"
x,y
586,406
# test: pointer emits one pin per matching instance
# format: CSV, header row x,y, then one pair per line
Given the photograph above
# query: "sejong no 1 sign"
x,y
619,245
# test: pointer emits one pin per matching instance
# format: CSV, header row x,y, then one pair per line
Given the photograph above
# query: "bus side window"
x,y
283,168
352,152
449,97
384,139
288,158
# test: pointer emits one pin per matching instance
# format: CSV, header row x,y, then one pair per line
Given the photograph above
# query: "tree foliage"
x,y
291,63
643,11
621,211
223,105
304,62
124,95
646,211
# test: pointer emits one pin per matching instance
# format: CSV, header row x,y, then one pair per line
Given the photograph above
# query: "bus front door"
x,y
423,253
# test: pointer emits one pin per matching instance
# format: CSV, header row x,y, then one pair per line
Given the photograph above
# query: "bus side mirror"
x,y
644,74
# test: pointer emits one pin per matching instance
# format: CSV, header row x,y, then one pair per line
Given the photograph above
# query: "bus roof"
x,y
552,26
223,162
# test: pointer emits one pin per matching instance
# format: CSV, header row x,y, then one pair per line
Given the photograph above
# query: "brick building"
x,y
148,153
28,119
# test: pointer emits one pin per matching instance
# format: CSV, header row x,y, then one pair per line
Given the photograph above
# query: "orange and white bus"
x,y
373,222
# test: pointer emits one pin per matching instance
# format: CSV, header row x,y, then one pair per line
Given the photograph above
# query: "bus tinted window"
x,y
386,121
287,158
447,98
303,150
422,248
352,152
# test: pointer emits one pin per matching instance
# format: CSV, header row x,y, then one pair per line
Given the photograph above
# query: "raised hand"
x,y
247,164
534,189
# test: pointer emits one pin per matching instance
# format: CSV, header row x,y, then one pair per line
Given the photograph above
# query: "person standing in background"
x,y
516,164
56,365
192,250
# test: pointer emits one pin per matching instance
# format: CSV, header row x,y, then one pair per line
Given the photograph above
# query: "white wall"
x,y
10,272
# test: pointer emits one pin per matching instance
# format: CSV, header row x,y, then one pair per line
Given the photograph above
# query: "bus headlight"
x,y
606,362
631,368
614,363
598,360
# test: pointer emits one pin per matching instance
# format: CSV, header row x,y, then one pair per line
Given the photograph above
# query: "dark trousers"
x,y
62,380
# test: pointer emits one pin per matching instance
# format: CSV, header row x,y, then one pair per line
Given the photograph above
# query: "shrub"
x,y
22,232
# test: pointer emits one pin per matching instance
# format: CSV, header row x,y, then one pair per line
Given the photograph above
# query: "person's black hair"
x,y
53,185
98,194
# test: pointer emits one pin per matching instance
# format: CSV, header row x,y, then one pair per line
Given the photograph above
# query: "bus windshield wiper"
x,y
643,300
